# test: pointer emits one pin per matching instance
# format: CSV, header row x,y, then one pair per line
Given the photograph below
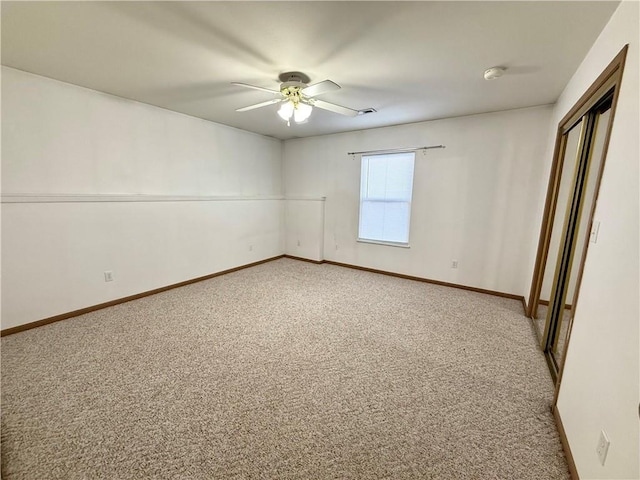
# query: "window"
x,y
386,186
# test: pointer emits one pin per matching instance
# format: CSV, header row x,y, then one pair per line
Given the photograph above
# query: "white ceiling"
x,y
411,61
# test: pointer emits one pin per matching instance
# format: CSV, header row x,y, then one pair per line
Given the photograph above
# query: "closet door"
x,y
576,231
567,227
569,161
581,165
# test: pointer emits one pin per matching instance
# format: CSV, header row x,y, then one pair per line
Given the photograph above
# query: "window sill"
x,y
380,242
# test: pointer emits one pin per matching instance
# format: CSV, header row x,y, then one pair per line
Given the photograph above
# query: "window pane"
x,y
399,179
395,226
385,197
371,220
376,178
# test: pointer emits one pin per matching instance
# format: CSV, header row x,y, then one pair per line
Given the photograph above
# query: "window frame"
x,y
409,202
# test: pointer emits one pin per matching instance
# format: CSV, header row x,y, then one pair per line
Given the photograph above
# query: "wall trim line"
x,y
565,444
418,279
316,262
125,197
305,198
111,303
428,280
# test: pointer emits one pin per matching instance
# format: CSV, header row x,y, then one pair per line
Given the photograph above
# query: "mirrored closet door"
x,y
569,226
574,235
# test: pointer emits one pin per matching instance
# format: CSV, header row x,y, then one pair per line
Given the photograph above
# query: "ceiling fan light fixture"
x,y
286,110
302,112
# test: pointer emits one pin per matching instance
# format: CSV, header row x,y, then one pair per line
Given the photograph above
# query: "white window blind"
x,y
386,187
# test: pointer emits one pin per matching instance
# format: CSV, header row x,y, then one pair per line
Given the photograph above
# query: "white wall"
x,y
474,201
600,386
304,227
69,156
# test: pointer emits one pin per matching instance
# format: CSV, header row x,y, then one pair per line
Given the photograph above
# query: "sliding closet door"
x,y
581,161
577,232
568,240
567,228
569,160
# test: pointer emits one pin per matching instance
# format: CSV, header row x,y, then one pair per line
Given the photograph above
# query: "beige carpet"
x,y
287,370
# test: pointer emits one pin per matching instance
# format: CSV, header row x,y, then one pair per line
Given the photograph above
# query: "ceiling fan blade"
x,y
332,107
258,105
246,85
320,88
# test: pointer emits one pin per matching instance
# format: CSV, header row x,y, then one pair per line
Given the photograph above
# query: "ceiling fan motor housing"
x,y
298,77
292,84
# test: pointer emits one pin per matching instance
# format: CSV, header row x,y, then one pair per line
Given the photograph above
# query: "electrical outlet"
x,y
298,242
454,263
251,248
108,276
603,447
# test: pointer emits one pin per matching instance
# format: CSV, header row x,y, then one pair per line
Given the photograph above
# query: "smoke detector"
x,y
493,73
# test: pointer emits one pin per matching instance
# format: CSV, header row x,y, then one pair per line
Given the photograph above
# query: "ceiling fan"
x,y
298,98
